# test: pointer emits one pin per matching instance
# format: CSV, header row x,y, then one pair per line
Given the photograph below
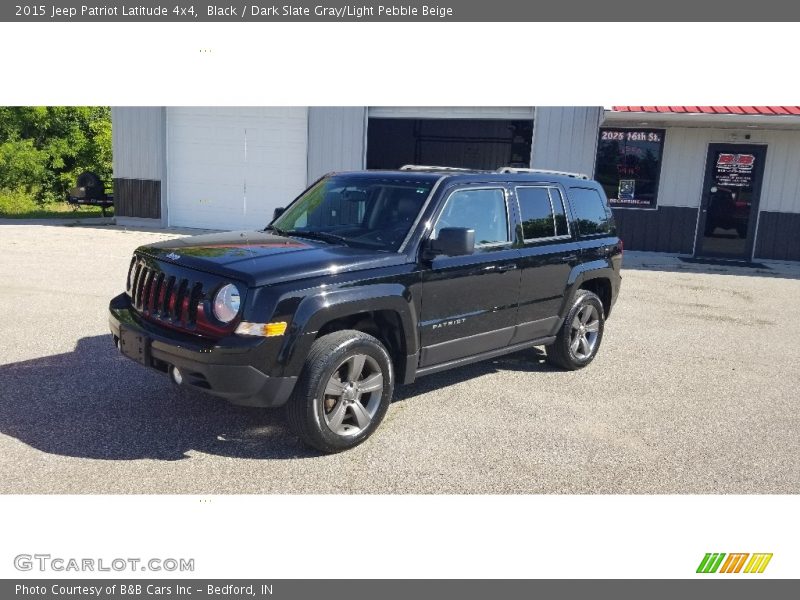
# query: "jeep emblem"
x,y
173,256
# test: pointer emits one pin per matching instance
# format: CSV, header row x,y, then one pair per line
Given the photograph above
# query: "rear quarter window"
x,y
591,211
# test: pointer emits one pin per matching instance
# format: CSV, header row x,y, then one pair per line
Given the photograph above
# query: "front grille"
x,y
174,296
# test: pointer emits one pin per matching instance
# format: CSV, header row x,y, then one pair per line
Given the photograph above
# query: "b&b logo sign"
x,y
742,162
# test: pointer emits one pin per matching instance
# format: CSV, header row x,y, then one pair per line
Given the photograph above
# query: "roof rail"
x,y
431,168
543,172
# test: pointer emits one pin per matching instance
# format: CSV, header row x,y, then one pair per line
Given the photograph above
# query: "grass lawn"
x,y
18,205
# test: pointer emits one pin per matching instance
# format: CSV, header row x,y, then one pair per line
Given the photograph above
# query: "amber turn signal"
x,y
262,329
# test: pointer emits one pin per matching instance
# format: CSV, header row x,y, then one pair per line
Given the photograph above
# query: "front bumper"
x,y
227,368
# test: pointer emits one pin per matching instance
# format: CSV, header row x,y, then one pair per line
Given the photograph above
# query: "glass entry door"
x,y
730,200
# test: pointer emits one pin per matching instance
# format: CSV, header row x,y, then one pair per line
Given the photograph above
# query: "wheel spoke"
x,y
372,383
593,326
355,366
360,413
334,387
586,347
576,322
575,342
337,415
586,314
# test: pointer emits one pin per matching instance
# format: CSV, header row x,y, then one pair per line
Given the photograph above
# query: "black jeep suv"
x,y
371,279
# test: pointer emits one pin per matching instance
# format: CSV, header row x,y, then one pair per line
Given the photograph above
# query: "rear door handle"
x,y
504,268
569,258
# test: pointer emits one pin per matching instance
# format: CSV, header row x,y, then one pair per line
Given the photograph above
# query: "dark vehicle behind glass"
x,y
371,279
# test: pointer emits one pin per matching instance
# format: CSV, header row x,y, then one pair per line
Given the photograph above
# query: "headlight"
x,y
226,303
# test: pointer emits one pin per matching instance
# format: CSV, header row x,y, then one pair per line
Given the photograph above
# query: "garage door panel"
x,y
214,154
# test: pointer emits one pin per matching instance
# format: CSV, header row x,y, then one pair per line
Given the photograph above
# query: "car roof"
x,y
468,176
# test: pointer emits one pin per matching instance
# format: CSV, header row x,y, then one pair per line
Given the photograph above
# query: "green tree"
x,y
43,149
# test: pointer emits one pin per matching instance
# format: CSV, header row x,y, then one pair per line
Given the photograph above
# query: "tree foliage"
x,y
43,149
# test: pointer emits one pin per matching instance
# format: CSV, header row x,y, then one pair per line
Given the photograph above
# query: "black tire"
x,y
310,411
562,353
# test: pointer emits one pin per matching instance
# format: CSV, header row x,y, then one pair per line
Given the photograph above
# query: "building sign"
x,y
734,170
628,166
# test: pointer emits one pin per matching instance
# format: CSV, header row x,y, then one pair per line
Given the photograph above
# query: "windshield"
x,y
361,210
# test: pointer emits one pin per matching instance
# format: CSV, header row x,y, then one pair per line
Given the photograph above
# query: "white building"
x,y
717,181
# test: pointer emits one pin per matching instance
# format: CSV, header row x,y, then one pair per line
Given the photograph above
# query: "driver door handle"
x,y
504,268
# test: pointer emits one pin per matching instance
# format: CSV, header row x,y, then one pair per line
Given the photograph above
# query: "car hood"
x,y
263,258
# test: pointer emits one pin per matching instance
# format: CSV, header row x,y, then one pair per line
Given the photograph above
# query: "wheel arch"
x,y
384,311
596,277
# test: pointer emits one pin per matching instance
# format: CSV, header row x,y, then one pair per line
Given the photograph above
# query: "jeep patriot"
x,y
370,279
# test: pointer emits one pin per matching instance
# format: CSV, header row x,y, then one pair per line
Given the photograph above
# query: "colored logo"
x,y
734,563
745,162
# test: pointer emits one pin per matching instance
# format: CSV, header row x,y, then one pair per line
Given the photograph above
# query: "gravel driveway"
x,y
694,391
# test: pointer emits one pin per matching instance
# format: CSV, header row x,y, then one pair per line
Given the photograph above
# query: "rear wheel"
x,y
344,391
579,338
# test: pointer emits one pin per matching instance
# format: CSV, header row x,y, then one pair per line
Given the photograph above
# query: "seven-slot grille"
x,y
172,296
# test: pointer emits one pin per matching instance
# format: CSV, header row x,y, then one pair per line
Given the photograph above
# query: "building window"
x,y
628,166
590,211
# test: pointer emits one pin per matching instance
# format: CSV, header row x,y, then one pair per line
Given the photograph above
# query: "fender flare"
x,y
596,269
317,309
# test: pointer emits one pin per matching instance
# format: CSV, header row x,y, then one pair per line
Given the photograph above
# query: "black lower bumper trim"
x,y
201,367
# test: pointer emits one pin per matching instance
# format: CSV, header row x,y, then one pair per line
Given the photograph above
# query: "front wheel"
x,y
343,392
579,338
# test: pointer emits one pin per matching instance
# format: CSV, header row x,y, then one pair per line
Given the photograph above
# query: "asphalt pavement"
x,y
694,391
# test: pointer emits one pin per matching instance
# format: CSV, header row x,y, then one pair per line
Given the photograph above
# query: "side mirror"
x,y
453,241
277,212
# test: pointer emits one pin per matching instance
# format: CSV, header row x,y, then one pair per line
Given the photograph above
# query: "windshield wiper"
x,y
318,235
275,229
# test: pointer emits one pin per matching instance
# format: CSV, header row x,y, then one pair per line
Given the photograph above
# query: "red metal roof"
x,y
714,110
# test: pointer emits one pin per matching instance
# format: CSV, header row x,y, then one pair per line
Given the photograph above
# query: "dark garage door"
x,y
470,143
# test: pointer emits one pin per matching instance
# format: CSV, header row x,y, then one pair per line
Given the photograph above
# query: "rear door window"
x,y
542,212
562,225
537,213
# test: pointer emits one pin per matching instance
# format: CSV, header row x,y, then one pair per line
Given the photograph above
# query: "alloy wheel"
x,y
584,333
352,395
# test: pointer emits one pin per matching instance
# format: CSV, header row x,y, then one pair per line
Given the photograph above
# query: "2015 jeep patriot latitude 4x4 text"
x,y
371,279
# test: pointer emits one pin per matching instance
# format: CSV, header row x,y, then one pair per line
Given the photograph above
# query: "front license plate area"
x,y
135,345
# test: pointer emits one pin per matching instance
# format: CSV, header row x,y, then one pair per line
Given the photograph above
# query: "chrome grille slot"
x,y
140,287
169,286
146,288
155,294
137,278
195,297
131,274
179,298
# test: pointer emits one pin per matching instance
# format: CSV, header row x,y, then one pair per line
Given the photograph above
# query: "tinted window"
x,y
558,207
590,211
360,210
537,213
482,210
